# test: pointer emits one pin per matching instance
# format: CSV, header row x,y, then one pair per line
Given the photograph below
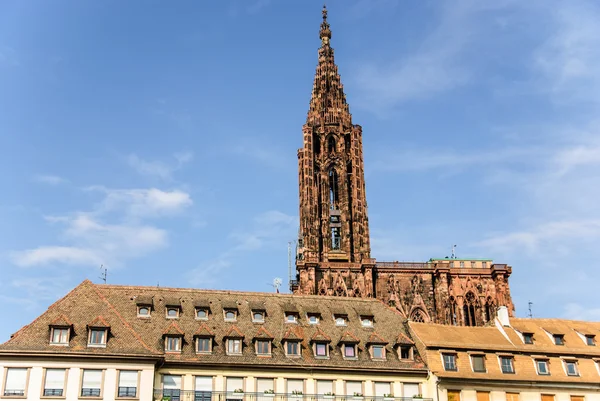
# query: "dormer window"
x,y
571,368
559,339
143,311
349,351
590,339
405,352
172,343
292,348
97,337
321,350
60,335
528,338
203,345
172,312
291,318
313,318
263,347
377,351
201,314
258,316
340,320
230,315
366,321
234,346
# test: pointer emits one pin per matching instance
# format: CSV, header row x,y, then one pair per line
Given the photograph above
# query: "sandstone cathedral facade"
x,y
333,251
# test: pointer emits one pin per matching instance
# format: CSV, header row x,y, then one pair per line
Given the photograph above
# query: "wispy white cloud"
x,y
50,179
158,168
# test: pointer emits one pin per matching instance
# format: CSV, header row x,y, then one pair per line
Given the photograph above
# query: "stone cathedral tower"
x,y
334,253
333,247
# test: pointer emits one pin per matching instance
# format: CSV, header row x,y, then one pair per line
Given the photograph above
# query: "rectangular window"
x,y
263,347
483,396
91,384
258,316
234,346
293,348
571,367
383,389
559,339
16,382
378,352
295,387
590,340
128,382
203,345
172,387
478,363
235,388
449,362
528,338
321,349
54,382
265,386
349,351
324,387
411,389
506,364
577,398
97,337
453,395
173,344
60,336
203,388
547,397
542,367
354,388
512,397
405,352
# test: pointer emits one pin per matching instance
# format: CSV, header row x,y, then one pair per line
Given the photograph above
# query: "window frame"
x,y
449,367
68,335
90,335
369,319
545,363
372,349
292,315
257,347
321,345
64,385
81,396
172,308
590,340
340,320
311,316
197,347
296,345
482,356
511,359
410,349
558,339
571,362
197,310
235,315
348,346
4,379
179,343
527,336
144,316
230,343
137,387
258,312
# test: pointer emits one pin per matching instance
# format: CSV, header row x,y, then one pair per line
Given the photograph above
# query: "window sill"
x,y
96,345
480,371
234,354
204,352
59,344
87,397
508,373
53,397
543,374
294,356
18,397
172,352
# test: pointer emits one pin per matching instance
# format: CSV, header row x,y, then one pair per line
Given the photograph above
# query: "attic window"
x,y
263,347
97,337
571,368
542,367
366,321
349,351
559,339
234,346
291,317
59,335
590,339
172,312
406,352
340,320
143,311
173,344
230,315
377,351
292,348
204,345
201,313
313,318
258,316
321,350
528,338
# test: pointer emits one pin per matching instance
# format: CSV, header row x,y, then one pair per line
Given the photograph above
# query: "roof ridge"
x,y
123,320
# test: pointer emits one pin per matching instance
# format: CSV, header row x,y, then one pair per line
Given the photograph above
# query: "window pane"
x,y
353,387
377,351
382,389
324,386
296,386
128,378
171,381
321,349
55,379
97,337
478,363
449,362
264,384
203,383
349,351
292,348
411,389
16,378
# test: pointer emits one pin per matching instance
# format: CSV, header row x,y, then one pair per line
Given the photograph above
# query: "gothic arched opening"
x,y
331,144
469,309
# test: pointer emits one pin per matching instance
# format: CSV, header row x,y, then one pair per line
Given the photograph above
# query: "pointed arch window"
x,y
469,310
333,189
453,314
331,144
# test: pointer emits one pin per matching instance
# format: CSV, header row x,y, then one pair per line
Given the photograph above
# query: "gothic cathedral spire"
x,y
334,246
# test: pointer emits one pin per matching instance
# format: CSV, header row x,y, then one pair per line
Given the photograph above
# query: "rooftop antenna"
x,y
103,273
453,252
530,312
276,284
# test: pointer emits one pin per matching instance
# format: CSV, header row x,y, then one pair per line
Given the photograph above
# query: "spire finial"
x,y
325,33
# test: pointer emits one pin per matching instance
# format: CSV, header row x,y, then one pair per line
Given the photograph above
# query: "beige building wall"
x,y
74,371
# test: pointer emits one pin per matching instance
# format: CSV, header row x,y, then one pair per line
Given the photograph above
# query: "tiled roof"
x,y
233,332
320,335
263,333
61,321
404,340
99,322
349,338
173,330
142,336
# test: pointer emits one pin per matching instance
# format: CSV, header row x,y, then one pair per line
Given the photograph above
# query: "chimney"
x,y
503,316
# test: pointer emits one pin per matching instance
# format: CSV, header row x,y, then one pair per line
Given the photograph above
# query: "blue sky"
x,y
159,139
